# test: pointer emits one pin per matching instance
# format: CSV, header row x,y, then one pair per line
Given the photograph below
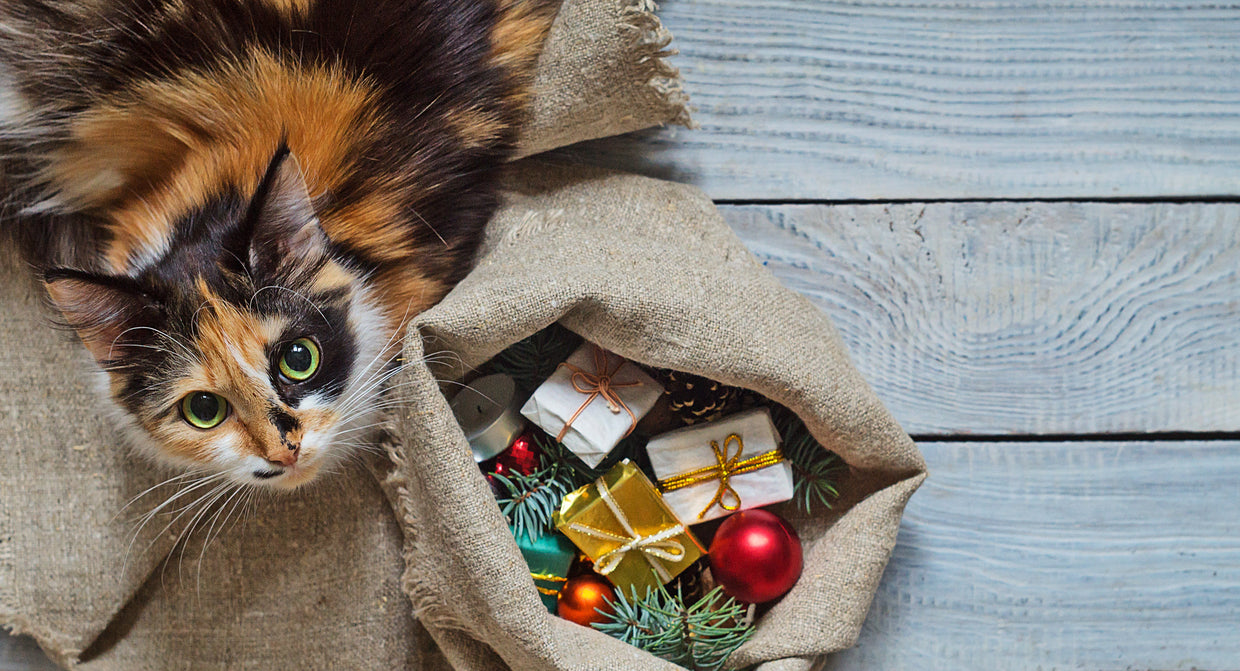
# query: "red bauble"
x,y
581,595
523,457
756,556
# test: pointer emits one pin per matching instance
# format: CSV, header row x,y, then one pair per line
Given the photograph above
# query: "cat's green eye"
x,y
299,360
203,409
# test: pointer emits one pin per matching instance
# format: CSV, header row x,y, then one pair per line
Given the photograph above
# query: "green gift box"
x,y
549,558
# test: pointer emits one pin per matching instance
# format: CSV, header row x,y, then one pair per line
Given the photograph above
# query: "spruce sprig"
x,y
555,453
531,361
814,467
698,636
532,498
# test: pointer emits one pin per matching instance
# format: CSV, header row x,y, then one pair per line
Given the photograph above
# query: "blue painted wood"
x,y
1024,318
904,99
1029,556
21,653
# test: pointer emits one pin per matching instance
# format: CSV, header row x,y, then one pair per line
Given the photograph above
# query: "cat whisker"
x,y
183,541
422,219
150,515
207,541
295,293
150,489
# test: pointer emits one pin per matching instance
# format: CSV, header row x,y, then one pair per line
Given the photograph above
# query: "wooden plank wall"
x,y
928,172
1075,555
1024,317
911,99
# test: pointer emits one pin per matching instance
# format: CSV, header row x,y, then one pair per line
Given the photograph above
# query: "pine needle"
x,y
814,467
698,636
556,454
530,499
531,361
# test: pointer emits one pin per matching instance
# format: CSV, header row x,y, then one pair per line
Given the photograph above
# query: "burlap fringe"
x,y
651,42
60,651
427,605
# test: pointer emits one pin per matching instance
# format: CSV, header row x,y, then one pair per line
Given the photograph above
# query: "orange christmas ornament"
x,y
580,597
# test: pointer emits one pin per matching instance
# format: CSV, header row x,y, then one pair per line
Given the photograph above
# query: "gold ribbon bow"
x,y
655,547
723,470
598,384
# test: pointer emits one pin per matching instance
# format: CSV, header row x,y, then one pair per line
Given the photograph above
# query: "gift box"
x,y
622,524
592,401
549,559
714,469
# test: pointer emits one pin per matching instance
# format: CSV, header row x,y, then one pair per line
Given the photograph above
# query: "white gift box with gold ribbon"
x,y
714,469
592,401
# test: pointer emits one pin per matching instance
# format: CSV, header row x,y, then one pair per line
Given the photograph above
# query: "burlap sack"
x,y
305,582
602,73
649,270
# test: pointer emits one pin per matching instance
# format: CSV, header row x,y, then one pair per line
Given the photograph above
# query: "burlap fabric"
x,y
649,270
324,579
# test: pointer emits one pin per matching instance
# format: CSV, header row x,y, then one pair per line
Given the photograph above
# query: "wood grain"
x,y
1024,318
1063,556
906,99
21,653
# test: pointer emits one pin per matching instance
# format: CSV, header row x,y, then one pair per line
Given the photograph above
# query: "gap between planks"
x,y
880,101
1063,556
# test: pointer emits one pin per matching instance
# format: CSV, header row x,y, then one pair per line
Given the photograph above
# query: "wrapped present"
x,y
549,559
713,469
592,401
622,524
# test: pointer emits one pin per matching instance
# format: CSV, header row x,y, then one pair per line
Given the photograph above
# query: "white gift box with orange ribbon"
x,y
592,401
711,470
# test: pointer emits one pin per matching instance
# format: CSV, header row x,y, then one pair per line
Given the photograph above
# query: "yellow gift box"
x,y
622,524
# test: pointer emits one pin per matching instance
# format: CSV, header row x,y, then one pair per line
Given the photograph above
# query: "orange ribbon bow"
x,y
598,384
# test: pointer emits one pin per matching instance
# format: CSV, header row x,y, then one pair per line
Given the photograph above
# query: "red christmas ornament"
x,y
581,595
523,457
756,556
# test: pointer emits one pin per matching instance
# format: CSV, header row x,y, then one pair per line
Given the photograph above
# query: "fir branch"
x,y
814,467
698,636
531,361
532,498
556,454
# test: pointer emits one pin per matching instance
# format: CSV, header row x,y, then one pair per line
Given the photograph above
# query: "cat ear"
x,y
286,229
101,310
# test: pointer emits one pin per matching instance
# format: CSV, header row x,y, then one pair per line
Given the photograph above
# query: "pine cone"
x,y
697,399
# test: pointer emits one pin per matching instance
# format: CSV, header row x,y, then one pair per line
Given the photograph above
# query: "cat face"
x,y
246,349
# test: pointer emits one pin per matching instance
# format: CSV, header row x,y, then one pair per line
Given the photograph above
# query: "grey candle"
x,y
489,413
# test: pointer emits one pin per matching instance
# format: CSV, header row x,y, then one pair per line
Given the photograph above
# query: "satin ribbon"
x,y
655,547
598,384
547,577
724,468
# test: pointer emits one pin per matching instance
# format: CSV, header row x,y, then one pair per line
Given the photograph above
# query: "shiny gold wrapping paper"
x,y
646,512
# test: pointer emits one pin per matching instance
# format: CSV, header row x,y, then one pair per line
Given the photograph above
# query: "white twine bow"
x,y
653,547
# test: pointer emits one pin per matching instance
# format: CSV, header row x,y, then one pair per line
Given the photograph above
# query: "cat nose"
x,y
284,454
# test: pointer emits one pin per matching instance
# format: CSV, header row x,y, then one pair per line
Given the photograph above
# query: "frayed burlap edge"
x,y
651,43
59,649
428,607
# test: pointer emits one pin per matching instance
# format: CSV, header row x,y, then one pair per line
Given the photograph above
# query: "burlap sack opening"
x,y
73,575
649,270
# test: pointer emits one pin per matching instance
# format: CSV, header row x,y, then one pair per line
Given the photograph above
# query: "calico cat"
x,y
238,205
